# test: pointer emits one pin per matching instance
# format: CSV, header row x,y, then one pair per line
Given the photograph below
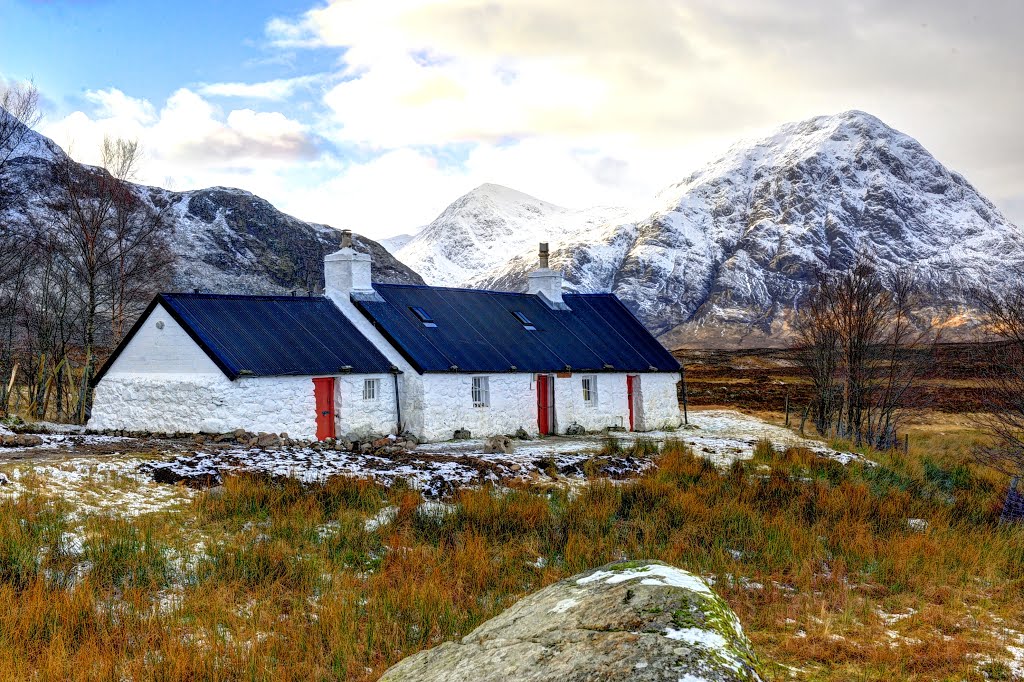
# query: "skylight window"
x,y
525,321
423,316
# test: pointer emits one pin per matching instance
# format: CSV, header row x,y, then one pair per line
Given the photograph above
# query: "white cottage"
x,y
381,358
209,363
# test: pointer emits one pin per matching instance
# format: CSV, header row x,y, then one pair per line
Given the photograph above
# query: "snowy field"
x,y
90,468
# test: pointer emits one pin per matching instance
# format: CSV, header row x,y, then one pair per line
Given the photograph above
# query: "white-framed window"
x,y
589,382
481,392
371,389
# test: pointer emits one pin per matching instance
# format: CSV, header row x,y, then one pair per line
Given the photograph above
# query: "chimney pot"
x,y
346,239
546,282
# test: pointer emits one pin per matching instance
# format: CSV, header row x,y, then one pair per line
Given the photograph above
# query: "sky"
x,y
376,114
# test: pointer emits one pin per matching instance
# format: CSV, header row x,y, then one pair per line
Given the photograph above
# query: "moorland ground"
x,y
892,568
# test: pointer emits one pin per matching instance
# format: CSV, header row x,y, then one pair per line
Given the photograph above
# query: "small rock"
x,y
199,480
241,435
20,440
521,434
366,448
575,429
381,443
268,440
499,444
223,437
462,434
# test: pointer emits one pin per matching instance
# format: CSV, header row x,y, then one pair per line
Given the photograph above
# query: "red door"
x,y
629,398
323,391
543,404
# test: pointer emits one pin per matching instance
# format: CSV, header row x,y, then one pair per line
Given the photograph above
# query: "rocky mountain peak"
x,y
732,248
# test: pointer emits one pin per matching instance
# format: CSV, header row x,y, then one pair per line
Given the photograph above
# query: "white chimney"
x,y
346,271
546,282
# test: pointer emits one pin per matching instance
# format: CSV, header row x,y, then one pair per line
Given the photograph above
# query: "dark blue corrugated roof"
x,y
477,331
271,335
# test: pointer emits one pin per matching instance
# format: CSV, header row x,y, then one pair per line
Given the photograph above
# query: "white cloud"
x,y
659,75
273,90
187,133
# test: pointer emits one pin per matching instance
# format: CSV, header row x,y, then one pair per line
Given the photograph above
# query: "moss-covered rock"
x,y
636,620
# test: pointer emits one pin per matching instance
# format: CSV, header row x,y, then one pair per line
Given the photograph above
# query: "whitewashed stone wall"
x,y
204,403
161,346
450,405
611,408
514,404
658,402
364,417
656,405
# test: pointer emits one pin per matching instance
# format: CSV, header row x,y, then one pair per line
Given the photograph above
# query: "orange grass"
x,y
273,580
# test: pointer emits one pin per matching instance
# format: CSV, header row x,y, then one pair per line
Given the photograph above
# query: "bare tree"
x,y
19,111
858,342
1004,385
20,102
113,242
818,353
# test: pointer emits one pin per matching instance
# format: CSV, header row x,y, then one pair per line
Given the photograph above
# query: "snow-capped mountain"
x,y
479,232
730,250
394,244
226,240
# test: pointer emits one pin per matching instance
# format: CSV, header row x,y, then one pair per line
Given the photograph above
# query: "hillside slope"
x,y
226,240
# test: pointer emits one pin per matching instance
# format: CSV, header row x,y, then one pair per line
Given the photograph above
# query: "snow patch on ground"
x,y
723,436
96,486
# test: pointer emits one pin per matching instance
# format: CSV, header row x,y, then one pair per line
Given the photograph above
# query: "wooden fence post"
x,y
10,389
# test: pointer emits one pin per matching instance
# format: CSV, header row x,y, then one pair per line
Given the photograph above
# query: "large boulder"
x,y
642,621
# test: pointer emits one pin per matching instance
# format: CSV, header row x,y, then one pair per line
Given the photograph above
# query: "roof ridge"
x,y
468,289
243,297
